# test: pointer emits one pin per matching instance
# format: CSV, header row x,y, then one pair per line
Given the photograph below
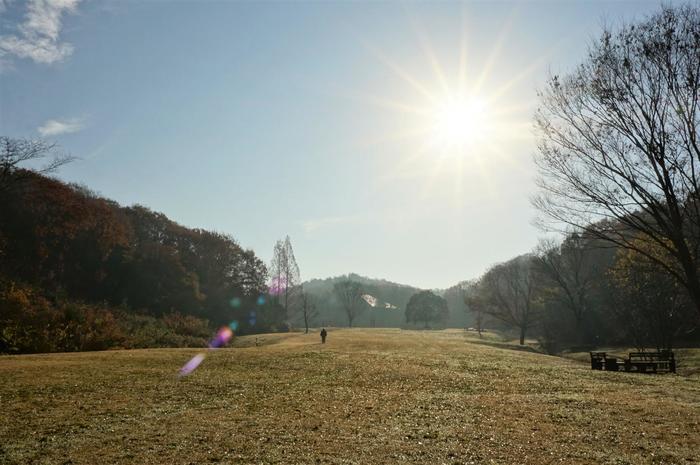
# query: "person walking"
x,y
324,333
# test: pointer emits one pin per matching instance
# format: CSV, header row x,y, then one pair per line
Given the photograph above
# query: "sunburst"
x,y
460,125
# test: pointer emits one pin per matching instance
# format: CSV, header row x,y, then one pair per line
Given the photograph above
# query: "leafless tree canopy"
x,y
618,153
285,276
570,268
349,294
308,308
507,292
474,304
16,152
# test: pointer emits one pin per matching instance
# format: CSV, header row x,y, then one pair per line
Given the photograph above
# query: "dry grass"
x,y
367,396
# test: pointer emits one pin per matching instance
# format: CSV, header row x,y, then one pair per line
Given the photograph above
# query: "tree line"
x,y
81,272
618,157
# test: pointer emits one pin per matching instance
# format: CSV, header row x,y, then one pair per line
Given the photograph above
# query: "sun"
x,y
459,124
452,119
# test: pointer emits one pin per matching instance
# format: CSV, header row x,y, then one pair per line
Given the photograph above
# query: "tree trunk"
x,y
693,286
306,322
692,281
579,337
522,335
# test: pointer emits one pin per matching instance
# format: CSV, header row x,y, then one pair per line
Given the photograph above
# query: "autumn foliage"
x,y
80,272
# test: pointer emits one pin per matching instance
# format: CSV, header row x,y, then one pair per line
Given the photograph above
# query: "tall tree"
x,y
619,154
426,307
276,266
285,277
308,309
349,294
571,268
507,293
473,304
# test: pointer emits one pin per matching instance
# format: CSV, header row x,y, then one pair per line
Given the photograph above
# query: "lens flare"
x,y
223,336
190,366
278,286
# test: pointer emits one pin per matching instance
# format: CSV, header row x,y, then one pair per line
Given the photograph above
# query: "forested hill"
x,y
80,272
391,299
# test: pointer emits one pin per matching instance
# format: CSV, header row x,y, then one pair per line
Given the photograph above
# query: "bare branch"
x,y
618,147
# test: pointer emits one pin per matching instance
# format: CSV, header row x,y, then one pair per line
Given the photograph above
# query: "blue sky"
x,y
315,120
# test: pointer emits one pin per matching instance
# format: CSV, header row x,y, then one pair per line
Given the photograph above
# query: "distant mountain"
x,y
390,301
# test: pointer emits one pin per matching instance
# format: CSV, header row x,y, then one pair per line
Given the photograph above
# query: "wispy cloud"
x,y
38,37
318,223
55,127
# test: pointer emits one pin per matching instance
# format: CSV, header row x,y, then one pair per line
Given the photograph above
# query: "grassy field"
x,y
365,397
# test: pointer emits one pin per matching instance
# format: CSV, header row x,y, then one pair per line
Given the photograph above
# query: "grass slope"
x,y
367,396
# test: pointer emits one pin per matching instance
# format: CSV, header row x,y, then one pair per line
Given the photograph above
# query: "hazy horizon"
x,y
391,140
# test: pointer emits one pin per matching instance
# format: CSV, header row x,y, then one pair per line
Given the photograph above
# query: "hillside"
x,y
388,295
367,396
81,272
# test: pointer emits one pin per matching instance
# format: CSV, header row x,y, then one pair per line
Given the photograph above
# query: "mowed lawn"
x,y
365,397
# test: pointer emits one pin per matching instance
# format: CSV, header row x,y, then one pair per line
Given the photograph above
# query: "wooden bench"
x,y
651,362
603,361
597,360
640,362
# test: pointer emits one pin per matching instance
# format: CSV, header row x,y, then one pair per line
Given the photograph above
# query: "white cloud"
x,y
38,37
56,127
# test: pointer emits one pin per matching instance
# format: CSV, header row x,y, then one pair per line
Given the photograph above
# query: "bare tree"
x,y
618,153
308,309
474,304
275,271
16,152
285,277
349,294
570,267
292,278
507,293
